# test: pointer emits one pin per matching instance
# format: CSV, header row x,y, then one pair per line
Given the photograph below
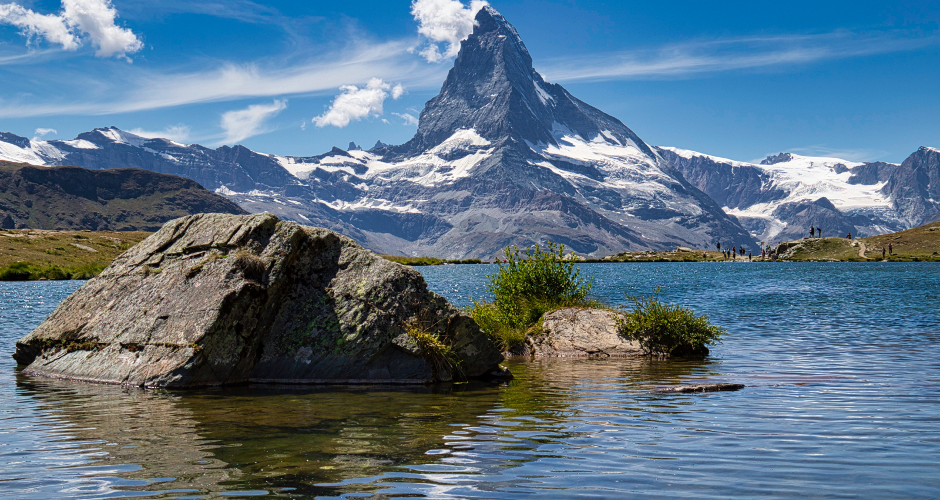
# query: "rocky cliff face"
x,y
98,200
219,299
783,195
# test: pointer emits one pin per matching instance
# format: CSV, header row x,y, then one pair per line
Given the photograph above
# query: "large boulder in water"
x,y
215,299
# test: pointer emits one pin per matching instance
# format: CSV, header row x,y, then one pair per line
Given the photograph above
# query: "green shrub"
x,y
17,271
667,329
529,284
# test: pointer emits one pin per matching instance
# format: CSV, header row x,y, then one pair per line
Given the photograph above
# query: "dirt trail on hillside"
x,y
862,250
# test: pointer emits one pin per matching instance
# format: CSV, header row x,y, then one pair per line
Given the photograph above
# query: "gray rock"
x,y
576,332
686,389
216,299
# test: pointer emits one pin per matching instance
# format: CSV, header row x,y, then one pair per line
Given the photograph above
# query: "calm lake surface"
x,y
841,363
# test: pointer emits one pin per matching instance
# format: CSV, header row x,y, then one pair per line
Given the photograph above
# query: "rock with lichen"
x,y
215,299
580,332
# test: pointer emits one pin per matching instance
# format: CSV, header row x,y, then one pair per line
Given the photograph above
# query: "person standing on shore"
x,y
890,248
811,231
819,231
883,253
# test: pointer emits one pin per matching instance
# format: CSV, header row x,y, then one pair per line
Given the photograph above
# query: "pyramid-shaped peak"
x,y
494,90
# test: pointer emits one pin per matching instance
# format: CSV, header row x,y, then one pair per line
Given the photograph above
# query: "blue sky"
x,y
857,80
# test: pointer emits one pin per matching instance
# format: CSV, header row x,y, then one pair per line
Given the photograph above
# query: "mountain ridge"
x,y
74,198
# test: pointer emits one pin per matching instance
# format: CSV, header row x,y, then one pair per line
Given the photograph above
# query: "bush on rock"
x,y
667,329
530,283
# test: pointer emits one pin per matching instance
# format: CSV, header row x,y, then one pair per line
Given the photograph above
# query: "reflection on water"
x,y
323,440
842,401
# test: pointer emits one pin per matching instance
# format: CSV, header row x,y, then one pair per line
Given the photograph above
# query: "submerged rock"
x,y
720,387
580,332
216,299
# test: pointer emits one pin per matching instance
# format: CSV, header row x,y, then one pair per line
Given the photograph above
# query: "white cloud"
x,y
51,27
78,19
409,119
357,103
40,132
177,133
444,21
244,123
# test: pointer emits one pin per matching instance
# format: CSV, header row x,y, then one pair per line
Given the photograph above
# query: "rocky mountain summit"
x,y
217,299
116,199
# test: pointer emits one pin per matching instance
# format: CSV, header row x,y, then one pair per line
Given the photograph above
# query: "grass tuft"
x,y
252,266
438,353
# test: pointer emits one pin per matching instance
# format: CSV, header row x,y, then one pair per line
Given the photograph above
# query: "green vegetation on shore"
x,y
32,254
529,284
680,254
426,261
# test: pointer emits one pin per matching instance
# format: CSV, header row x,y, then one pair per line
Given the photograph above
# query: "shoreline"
x,y
42,254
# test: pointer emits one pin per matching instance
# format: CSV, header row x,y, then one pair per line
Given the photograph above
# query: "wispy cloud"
x,y
79,19
693,59
229,82
178,133
244,123
356,103
407,118
42,132
444,22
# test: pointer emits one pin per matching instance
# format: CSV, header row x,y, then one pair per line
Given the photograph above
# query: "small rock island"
x,y
214,299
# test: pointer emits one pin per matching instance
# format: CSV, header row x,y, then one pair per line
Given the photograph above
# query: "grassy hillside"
x,y
918,244
37,254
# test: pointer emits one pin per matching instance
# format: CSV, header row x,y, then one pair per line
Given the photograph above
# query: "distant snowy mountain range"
x,y
502,157
785,194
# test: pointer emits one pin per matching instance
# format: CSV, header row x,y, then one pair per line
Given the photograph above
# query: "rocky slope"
x,y
116,199
782,196
217,299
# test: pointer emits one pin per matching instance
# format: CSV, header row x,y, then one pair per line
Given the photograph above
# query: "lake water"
x,y
841,363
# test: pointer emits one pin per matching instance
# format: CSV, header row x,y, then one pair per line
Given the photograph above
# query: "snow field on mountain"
x,y
806,178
